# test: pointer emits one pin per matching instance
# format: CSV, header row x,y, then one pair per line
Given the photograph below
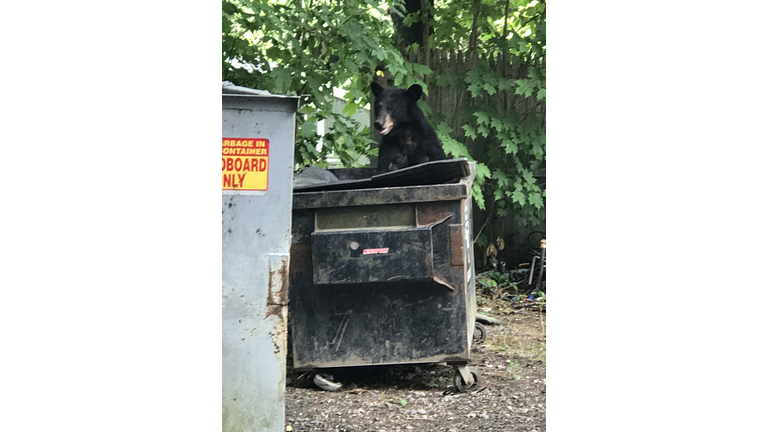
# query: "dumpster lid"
x,y
230,89
428,173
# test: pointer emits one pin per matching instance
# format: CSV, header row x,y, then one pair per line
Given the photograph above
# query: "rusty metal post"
x,y
543,264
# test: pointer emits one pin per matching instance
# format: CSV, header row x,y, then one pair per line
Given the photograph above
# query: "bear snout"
x,y
384,127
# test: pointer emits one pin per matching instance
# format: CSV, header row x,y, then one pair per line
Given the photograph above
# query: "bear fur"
x,y
406,137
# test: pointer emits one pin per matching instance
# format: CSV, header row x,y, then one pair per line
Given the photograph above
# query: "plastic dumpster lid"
x,y
428,173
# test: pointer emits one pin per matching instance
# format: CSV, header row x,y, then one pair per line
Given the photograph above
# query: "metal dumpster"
x,y
382,269
257,169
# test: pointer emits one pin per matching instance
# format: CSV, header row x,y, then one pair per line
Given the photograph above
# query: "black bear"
x,y
406,137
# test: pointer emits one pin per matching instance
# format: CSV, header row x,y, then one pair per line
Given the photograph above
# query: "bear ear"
x,y
414,92
376,88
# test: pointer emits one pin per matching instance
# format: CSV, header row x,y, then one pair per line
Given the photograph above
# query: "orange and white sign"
x,y
244,164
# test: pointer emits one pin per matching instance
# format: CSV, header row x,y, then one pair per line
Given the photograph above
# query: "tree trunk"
x,y
473,34
506,20
419,31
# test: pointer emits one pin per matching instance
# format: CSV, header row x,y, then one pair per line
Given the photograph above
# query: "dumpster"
x,y
382,269
257,170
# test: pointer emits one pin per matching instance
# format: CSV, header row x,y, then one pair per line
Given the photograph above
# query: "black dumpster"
x,y
382,269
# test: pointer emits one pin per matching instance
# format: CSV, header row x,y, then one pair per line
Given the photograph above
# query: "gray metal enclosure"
x,y
383,275
257,142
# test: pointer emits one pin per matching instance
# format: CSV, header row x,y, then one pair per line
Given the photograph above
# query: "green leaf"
x,y
502,178
424,106
454,148
412,18
542,94
528,177
536,200
498,194
469,131
443,130
484,130
349,109
308,128
482,118
498,124
510,146
482,172
399,77
523,87
476,89
380,54
518,196
282,80
274,53
477,195
421,69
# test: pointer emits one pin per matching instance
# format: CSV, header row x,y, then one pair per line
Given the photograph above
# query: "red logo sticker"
x,y
375,251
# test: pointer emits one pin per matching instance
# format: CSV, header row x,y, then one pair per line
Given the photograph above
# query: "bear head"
x,y
395,106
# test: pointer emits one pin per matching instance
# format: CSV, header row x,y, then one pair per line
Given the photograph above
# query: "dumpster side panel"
x,y
255,263
469,263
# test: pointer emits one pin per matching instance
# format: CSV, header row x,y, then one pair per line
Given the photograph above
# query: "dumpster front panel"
x,y
378,322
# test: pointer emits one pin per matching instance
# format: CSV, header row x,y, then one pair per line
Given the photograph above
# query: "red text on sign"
x,y
243,164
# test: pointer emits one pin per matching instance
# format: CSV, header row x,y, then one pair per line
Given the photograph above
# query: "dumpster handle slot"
x,y
438,222
435,276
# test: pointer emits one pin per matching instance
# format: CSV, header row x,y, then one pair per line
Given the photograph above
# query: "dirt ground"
x,y
511,395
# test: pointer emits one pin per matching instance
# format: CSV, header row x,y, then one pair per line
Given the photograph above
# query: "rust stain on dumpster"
x,y
430,213
277,295
278,335
457,245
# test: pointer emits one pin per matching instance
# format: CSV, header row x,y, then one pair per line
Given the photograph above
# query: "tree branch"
x,y
506,19
319,46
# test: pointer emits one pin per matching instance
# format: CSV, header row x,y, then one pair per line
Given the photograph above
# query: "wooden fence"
x,y
454,102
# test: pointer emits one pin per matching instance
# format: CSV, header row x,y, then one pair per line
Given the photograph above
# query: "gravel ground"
x,y
511,395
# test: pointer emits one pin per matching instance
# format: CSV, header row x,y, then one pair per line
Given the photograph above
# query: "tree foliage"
x,y
507,139
310,47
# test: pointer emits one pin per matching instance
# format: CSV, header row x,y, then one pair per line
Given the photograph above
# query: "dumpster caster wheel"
x,y
461,386
479,335
325,382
